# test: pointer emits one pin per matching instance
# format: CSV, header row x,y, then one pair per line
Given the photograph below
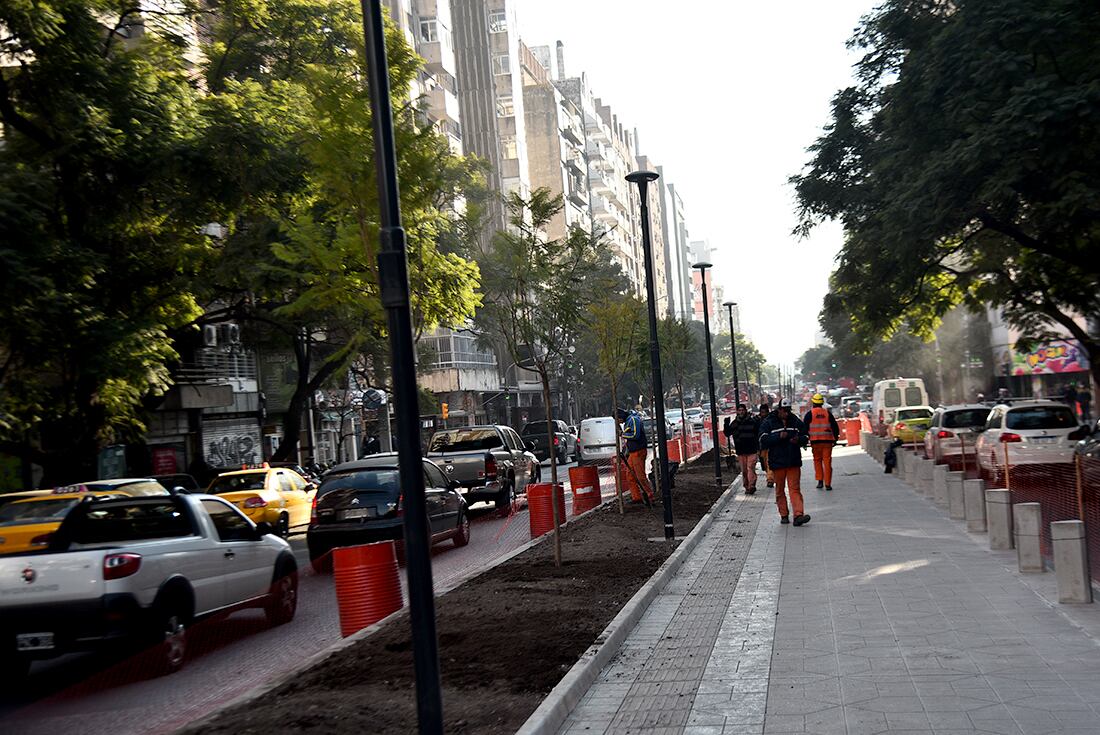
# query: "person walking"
x,y
636,449
761,416
824,433
745,431
784,435
1069,395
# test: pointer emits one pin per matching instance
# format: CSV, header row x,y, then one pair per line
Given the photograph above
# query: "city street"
x,y
233,656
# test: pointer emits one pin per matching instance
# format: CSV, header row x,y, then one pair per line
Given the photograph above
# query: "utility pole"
x,y
702,268
733,358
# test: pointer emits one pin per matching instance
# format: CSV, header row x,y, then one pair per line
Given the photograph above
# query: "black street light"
x,y
393,280
733,356
642,179
702,268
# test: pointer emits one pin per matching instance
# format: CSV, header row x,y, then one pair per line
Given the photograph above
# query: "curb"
x,y
321,656
561,700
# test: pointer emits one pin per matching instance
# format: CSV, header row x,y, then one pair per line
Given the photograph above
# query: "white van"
x,y
597,440
890,395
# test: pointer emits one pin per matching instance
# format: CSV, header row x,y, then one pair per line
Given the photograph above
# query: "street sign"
x,y
373,399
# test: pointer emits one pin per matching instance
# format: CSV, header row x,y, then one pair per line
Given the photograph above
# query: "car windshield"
x,y
382,479
137,489
461,440
36,511
913,414
967,418
237,483
1040,417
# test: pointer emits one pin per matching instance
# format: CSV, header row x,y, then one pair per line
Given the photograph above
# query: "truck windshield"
x,y
36,511
462,440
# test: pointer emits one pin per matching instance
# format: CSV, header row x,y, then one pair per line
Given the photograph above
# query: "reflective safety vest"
x,y
820,430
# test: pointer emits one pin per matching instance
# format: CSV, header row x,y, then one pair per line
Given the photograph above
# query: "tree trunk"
x,y
618,442
300,401
545,376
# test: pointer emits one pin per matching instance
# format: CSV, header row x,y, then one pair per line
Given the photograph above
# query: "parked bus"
x,y
890,395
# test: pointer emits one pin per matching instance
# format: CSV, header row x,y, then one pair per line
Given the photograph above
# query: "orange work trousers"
x,y
764,463
636,480
748,470
823,462
788,477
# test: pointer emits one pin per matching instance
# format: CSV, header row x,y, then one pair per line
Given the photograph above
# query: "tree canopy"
x,y
965,168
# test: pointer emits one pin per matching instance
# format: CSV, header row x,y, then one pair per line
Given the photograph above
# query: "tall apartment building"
x,y
677,262
656,199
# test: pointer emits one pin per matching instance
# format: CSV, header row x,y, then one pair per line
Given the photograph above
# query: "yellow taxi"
x,y
277,495
27,524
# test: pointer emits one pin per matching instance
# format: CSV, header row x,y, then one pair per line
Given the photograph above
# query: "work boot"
x,y
771,484
820,484
801,520
784,519
828,488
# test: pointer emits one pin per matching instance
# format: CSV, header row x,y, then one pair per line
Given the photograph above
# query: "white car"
x,y
952,433
696,417
140,571
596,442
1031,433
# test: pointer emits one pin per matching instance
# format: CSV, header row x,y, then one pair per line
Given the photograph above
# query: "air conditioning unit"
x,y
209,335
233,334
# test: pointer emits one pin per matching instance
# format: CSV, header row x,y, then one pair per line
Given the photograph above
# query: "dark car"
x,y
361,502
179,480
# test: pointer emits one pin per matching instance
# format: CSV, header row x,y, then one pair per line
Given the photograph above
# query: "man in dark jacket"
x,y
745,432
784,435
636,449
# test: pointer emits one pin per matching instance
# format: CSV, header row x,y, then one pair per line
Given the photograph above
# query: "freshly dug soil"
x,y
505,638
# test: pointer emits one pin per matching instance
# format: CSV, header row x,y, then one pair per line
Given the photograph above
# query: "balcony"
x,y
572,134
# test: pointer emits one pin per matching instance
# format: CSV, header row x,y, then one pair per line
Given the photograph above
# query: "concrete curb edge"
x,y
555,708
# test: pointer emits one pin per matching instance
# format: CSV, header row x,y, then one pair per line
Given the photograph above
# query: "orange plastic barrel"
x,y
540,512
674,451
368,586
851,430
585,482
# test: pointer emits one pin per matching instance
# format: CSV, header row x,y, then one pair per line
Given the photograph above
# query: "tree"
x,y
536,293
103,194
680,350
615,323
965,168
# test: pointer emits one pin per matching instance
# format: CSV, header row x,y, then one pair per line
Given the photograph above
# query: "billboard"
x,y
1051,358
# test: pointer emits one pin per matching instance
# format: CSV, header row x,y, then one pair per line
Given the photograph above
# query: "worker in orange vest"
x,y
824,433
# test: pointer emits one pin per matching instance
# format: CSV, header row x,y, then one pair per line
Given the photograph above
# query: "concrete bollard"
x,y
901,468
1071,561
974,502
939,484
956,507
863,437
924,476
998,510
1027,519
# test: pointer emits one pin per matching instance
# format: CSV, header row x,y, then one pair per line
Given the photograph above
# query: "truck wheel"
x,y
563,456
283,598
171,636
462,535
504,499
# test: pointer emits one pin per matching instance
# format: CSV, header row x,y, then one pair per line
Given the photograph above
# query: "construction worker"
x,y
784,435
636,450
761,417
824,433
745,432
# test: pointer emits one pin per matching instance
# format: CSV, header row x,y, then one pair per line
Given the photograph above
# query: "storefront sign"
x,y
164,461
1063,356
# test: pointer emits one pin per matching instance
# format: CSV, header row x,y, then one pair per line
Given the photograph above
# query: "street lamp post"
x,y
393,278
702,268
642,179
733,356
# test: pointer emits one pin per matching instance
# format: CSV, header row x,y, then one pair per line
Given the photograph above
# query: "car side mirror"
x,y
530,445
263,528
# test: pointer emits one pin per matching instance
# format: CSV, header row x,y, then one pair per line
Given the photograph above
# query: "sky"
x,y
725,96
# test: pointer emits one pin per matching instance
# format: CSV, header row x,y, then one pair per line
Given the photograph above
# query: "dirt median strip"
x,y
506,637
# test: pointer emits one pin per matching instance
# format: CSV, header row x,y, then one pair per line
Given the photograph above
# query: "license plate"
x,y
34,642
358,513
1044,439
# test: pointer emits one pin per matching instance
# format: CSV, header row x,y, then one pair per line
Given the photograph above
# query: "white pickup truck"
x,y
140,571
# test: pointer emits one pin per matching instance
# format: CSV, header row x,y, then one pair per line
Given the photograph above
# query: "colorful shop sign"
x,y
1062,356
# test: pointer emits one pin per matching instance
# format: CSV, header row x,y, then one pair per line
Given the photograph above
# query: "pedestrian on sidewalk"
x,y
745,430
1084,398
784,435
761,417
824,434
636,448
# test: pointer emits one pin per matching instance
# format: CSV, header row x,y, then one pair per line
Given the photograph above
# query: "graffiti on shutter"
x,y
232,443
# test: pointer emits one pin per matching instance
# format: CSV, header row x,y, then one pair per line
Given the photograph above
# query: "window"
x,y
508,147
505,106
433,476
498,21
383,480
994,420
429,30
133,489
233,483
501,65
914,396
516,442
230,524
284,483
462,440
891,397
965,419
1040,417
134,521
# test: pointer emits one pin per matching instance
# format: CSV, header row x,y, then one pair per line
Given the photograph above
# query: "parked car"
x,y
361,502
910,424
563,443
695,415
1089,446
597,440
140,570
276,495
952,429
1034,432
488,462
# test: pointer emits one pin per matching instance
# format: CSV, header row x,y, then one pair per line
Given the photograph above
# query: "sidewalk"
x,y
880,616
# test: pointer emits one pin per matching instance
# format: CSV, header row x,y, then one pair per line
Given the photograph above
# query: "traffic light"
x,y
445,410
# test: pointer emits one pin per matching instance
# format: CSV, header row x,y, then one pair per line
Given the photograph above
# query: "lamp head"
x,y
702,265
730,304
635,177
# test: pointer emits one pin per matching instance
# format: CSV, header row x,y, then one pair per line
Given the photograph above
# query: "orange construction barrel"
x,y
368,587
585,482
674,451
851,431
539,510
